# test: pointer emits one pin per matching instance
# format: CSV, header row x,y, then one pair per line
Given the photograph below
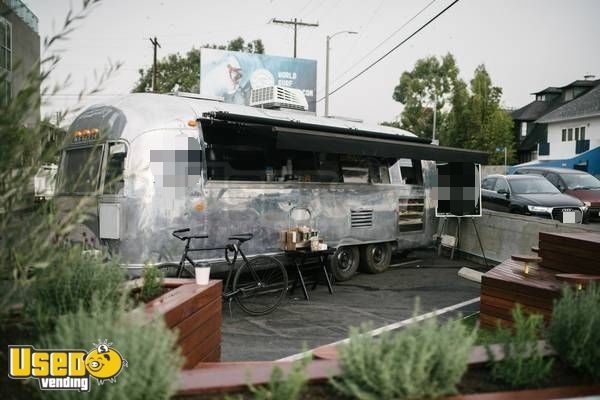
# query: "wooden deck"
x,y
505,286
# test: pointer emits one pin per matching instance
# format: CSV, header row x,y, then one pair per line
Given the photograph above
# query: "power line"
x,y
386,39
392,50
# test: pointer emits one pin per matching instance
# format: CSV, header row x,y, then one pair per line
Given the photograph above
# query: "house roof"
x,y
532,111
586,105
582,83
549,89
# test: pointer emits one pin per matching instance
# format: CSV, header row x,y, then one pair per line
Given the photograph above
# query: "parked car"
x,y
530,195
575,183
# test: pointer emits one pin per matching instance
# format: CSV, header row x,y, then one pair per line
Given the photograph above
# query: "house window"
x,y
576,133
564,135
582,133
523,128
569,94
570,133
5,61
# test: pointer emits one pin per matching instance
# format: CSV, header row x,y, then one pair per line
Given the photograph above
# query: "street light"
x,y
327,68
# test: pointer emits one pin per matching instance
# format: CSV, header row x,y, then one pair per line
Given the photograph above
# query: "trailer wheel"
x,y
375,258
344,262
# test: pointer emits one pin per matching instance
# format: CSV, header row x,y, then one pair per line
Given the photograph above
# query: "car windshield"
x,y
581,181
532,185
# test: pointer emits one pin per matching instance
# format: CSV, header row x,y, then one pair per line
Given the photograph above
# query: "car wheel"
x,y
375,258
344,262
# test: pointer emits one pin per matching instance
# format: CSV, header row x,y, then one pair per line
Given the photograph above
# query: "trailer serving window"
x,y
79,170
251,154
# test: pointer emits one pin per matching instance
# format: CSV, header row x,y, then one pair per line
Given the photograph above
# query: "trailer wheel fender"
x,y
344,262
375,258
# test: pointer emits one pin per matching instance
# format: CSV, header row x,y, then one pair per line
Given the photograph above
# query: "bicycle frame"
x,y
232,247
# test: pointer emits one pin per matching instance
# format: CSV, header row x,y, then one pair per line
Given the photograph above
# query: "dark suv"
x,y
530,195
575,183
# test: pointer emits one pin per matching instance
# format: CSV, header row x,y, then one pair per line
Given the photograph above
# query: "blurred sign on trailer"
x,y
233,74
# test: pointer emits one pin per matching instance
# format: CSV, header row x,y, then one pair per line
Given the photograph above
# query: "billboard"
x,y
233,74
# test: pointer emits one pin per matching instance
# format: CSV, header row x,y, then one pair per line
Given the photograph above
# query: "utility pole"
x,y
434,117
327,48
154,71
296,23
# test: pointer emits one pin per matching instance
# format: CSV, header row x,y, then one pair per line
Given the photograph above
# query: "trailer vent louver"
x,y
361,218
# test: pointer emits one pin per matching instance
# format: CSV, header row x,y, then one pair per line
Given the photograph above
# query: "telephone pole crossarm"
x,y
296,24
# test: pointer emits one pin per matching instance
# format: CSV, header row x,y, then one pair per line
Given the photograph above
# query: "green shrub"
x,y
148,346
283,388
426,359
153,283
72,284
574,330
523,365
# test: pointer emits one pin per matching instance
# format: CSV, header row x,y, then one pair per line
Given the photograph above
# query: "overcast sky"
x,y
525,45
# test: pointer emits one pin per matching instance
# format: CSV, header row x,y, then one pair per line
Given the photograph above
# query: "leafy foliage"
x,y
426,359
76,283
29,231
430,79
148,346
153,283
283,388
468,116
574,330
477,121
523,365
183,72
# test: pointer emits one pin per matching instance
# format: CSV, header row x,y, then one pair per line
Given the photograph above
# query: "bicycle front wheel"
x,y
260,285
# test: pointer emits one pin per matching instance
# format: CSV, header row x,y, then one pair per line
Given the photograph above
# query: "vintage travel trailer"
x,y
152,163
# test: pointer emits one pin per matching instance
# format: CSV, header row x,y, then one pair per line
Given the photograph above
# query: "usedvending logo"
x,y
66,369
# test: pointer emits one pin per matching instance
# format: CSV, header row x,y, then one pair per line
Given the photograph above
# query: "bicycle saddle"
x,y
241,237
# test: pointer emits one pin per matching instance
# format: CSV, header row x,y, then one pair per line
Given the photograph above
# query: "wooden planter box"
x,y
213,380
194,311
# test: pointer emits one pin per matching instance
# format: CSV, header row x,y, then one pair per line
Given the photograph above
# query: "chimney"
x,y
589,77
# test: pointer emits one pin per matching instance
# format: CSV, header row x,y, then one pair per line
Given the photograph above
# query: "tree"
x,y
477,121
183,73
430,79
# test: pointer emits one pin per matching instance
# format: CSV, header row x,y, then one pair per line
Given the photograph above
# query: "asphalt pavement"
x,y
379,299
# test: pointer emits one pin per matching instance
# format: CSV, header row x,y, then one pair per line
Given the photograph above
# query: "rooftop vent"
x,y
589,77
278,97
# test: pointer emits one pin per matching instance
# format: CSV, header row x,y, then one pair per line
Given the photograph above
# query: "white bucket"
x,y
202,275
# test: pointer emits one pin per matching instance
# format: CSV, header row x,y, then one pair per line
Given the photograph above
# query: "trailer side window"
x,y
115,165
408,170
360,169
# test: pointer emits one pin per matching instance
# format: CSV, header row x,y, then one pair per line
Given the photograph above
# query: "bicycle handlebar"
x,y
199,236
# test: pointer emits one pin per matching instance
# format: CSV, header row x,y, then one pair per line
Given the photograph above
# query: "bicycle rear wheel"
x,y
261,285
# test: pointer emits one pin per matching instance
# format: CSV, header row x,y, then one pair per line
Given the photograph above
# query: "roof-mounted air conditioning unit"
x,y
278,97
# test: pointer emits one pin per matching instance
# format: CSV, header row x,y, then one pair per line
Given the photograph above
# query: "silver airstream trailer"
x,y
156,163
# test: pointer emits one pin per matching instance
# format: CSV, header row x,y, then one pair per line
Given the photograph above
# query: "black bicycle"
x,y
258,286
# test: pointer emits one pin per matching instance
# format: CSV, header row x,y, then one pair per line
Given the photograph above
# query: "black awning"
x,y
300,139
301,122
308,136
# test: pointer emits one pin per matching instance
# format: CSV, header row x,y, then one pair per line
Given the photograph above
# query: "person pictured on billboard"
x,y
233,75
